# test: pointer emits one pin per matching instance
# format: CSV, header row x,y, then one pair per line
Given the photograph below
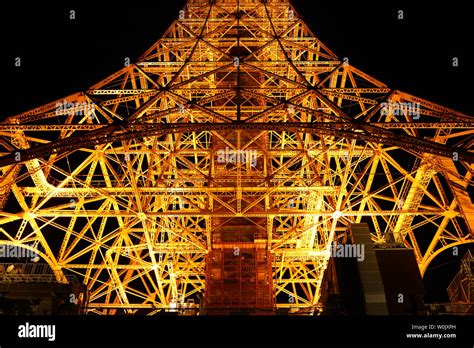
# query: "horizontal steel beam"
x,y
166,191
88,127
204,213
126,131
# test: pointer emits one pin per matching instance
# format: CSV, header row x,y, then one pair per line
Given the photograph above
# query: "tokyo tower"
x,y
217,173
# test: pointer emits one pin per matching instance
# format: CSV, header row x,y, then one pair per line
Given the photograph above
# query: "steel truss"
x,y
122,185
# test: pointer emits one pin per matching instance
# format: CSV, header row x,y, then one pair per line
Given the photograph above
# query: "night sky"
x,y
62,56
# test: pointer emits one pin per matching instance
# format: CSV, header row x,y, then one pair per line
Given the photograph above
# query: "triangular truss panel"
x,y
225,162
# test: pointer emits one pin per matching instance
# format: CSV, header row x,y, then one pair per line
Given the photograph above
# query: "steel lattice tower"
x,y
224,163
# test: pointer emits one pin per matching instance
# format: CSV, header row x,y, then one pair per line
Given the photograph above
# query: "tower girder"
x,y
132,190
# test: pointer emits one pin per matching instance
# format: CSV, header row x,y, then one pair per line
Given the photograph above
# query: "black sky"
x,y
62,56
